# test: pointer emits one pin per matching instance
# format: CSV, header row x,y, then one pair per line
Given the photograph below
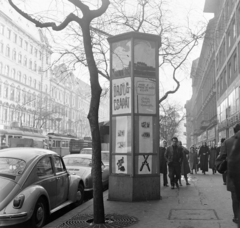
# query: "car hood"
x,y
8,189
80,170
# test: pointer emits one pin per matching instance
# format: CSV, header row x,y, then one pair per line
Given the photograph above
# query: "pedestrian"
x,y
163,162
204,154
185,169
193,159
212,158
224,175
232,153
174,158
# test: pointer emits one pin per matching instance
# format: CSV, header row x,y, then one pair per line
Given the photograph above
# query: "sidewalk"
x,y
204,204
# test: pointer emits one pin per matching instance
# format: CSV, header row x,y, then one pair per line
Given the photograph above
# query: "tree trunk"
x,y
96,90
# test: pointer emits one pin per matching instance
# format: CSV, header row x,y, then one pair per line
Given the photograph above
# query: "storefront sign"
x,y
121,96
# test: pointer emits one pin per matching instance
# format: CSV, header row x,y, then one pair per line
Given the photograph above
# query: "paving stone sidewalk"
x,y
204,204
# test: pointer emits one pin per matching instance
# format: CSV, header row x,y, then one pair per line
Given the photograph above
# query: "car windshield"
x,y
105,157
86,151
11,166
74,161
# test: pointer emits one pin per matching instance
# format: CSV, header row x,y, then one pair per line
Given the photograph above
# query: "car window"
x,y
12,166
58,164
86,151
76,161
44,167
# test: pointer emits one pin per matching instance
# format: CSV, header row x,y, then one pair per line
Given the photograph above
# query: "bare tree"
x,y
83,16
170,118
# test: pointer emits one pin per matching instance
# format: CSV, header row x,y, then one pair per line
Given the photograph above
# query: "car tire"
x,y
39,215
80,195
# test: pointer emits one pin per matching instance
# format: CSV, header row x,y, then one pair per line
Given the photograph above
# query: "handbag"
x,y
221,163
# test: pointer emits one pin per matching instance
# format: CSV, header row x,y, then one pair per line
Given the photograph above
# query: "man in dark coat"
x,y
204,154
224,176
230,147
174,158
212,158
163,162
185,169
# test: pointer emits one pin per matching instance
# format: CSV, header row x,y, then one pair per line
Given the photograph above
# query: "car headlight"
x,y
18,201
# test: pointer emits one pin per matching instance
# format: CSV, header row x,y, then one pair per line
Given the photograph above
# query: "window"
x,y
1,29
30,81
234,29
26,45
35,52
8,51
18,98
31,49
5,114
8,33
13,73
14,55
25,61
229,39
30,64
15,38
237,99
34,83
40,55
12,92
44,167
25,79
20,41
1,47
1,67
19,76
20,58
58,163
235,63
7,70
35,66
229,70
5,90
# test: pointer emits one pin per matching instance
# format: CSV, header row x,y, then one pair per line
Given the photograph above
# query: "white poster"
x,y
121,164
145,134
145,95
121,96
145,164
123,135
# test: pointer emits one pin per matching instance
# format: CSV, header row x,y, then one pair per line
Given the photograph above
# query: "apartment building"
x,y
33,94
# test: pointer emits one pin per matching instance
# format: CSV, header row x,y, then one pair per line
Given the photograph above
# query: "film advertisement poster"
x,y
145,95
144,58
145,134
121,58
146,164
121,138
121,96
121,164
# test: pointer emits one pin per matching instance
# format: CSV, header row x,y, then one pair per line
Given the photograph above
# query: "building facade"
x,y
32,93
223,77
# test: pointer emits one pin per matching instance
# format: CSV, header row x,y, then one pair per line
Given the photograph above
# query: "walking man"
x,y
163,162
204,154
174,158
226,148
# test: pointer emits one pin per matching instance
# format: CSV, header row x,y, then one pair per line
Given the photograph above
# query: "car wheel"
x,y
39,216
80,195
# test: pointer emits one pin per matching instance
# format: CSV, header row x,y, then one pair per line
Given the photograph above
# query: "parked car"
x,y
81,164
105,155
86,151
34,184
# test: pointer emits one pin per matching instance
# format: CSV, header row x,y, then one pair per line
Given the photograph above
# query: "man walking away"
x,y
204,154
212,159
163,162
224,176
174,158
232,153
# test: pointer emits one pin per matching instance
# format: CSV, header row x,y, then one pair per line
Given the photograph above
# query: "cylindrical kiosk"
x,y
134,117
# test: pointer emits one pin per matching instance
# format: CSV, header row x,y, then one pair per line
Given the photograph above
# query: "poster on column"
x,y
122,135
120,164
121,96
145,164
145,95
145,134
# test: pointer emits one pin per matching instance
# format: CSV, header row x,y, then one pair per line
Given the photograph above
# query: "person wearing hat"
x,y
163,162
228,150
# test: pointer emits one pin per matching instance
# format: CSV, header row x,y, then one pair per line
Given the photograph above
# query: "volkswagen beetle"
x,y
34,184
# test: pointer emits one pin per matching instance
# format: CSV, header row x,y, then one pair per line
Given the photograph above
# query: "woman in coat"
x,y
193,159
